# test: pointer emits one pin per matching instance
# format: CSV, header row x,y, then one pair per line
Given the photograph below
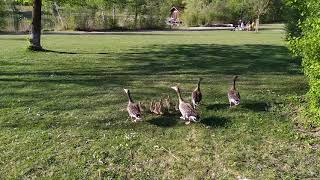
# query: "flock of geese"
x,y
188,112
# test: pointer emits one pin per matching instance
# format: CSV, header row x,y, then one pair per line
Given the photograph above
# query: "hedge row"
x,y
304,41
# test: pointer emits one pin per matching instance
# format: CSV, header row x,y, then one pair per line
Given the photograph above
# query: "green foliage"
x,y
143,14
192,11
2,14
205,12
99,14
307,46
276,12
293,18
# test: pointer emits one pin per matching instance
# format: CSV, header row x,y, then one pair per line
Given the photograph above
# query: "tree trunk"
x,y
136,14
113,14
103,17
59,15
15,17
257,23
35,39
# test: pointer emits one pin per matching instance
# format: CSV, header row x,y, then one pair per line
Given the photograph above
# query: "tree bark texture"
x,y
35,39
257,23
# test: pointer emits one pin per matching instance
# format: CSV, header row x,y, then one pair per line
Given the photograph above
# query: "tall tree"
x,y
136,7
2,13
35,39
260,7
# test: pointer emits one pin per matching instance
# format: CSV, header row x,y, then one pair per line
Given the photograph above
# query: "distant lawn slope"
x,y
61,112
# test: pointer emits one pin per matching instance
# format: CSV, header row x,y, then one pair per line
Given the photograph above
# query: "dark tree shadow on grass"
x,y
169,120
211,59
66,52
256,106
198,59
14,39
220,106
203,59
137,64
252,106
214,121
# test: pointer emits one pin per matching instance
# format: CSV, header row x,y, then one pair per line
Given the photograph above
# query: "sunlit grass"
x,y
62,111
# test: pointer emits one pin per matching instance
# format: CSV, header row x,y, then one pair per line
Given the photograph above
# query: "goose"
x,y
152,106
196,95
233,94
141,106
167,103
133,108
170,105
176,107
186,110
158,108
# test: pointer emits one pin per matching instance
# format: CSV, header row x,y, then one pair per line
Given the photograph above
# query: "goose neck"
x,y
179,96
129,97
234,84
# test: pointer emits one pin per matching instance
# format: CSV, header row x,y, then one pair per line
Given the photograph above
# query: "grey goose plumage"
x,y
188,113
133,108
233,94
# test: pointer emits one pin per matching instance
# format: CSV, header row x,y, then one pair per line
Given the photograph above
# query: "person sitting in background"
x,y
253,26
248,26
242,26
239,25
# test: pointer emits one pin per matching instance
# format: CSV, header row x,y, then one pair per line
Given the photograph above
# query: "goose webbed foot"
x,y
134,119
137,119
193,119
187,122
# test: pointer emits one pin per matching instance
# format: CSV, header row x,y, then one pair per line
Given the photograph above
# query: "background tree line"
x,y
204,12
134,14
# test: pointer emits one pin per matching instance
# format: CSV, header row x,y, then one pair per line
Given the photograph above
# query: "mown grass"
x,y
62,111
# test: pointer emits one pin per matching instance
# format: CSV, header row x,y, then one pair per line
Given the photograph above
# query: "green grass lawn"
x,y
61,112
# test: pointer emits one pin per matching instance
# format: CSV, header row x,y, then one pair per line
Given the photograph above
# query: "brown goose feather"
x,y
233,94
133,108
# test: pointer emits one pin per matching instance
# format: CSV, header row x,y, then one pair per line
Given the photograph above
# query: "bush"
x,y
203,12
2,14
304,42
191,15
293,19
